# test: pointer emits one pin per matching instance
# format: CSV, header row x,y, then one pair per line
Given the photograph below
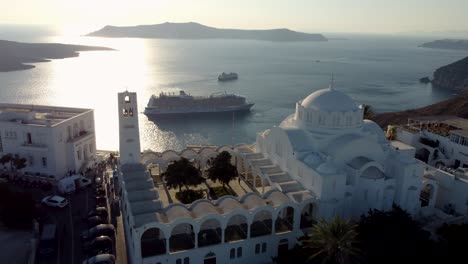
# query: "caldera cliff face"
x,y
453,76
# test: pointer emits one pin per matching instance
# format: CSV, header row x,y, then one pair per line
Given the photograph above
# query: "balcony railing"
x,y
34,145
82,134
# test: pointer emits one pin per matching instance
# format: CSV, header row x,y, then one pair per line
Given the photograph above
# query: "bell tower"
x,y
129,132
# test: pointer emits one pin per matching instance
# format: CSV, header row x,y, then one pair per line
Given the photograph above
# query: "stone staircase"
x,y
274,173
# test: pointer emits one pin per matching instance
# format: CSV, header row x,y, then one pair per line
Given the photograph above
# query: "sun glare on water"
x,y
94,79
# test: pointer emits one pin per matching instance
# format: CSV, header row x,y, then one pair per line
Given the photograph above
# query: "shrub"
x,y
220,191
189,196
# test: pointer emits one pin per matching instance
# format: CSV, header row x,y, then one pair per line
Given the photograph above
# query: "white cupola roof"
x,y
328,108
329,100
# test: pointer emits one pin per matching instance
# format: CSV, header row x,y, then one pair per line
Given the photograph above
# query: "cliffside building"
x,y
53,140
441,143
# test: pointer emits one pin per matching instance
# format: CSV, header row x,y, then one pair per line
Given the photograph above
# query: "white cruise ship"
x,y
183,103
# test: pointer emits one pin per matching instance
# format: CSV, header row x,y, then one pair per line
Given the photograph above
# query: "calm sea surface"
x,y
382,71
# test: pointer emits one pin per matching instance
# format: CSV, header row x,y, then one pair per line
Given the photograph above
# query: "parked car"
x,y
54,201
99,230
98,181
48,240
95,220
99,211
101,259
100,192
99,245
101,201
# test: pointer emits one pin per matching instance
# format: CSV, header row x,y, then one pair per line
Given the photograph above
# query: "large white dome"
x,y
329,100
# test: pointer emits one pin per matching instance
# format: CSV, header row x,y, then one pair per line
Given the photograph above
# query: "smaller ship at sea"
x,y
183,103
227,76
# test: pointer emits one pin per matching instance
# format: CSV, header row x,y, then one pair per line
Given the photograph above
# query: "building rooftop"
x,y
38,115
460,132
400,145
454,121
439,125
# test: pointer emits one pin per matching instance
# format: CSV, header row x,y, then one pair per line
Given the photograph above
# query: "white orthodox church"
x,y
323,160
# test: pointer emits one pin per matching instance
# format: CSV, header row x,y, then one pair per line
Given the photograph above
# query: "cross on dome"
x,y
332,82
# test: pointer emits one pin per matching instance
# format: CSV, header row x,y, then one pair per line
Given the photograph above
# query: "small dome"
x,y
329,100
326,168
372,128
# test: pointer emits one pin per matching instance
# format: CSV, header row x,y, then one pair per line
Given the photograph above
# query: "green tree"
x,y
394,237
19,163
333,242
222,170
7,158
368,112
182,173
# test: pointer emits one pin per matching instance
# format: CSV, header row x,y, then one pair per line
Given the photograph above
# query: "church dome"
x,y
329,100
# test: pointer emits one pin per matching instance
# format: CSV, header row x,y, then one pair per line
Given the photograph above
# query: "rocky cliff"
x,y
457,106
453,76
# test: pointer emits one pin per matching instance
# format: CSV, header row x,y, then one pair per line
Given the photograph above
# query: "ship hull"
x,y
151,111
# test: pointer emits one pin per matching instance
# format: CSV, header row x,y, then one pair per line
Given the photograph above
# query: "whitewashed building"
x,y
441,143
323,160
439,140
53,140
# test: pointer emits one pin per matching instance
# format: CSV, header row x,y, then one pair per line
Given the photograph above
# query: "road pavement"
x,y
70,226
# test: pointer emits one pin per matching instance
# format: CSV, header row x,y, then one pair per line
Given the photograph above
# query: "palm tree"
x,y
391,132
333,242
368,112
222,170
182,173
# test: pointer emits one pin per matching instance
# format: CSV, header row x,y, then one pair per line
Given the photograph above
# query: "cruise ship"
x,y
183,103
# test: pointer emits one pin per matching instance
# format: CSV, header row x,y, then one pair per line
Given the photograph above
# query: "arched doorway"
x,y
426,195
307,216
389,195
153,243
210,258
423,155
283,247
182,237
285,220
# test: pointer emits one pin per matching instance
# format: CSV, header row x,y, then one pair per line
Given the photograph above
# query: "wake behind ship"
x,y
182,103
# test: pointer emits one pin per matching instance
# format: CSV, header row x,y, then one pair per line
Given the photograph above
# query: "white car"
x,y
55,201
98,180
101,259
83,182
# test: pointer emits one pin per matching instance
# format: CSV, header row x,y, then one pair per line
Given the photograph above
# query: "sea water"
x,y
382,71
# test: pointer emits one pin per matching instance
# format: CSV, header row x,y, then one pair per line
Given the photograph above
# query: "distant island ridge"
x,y
14,55
192,30
450,44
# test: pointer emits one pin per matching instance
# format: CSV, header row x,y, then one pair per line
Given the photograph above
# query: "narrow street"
x,y
70,226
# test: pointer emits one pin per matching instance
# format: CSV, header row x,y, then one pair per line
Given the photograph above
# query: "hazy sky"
x,y
387,16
